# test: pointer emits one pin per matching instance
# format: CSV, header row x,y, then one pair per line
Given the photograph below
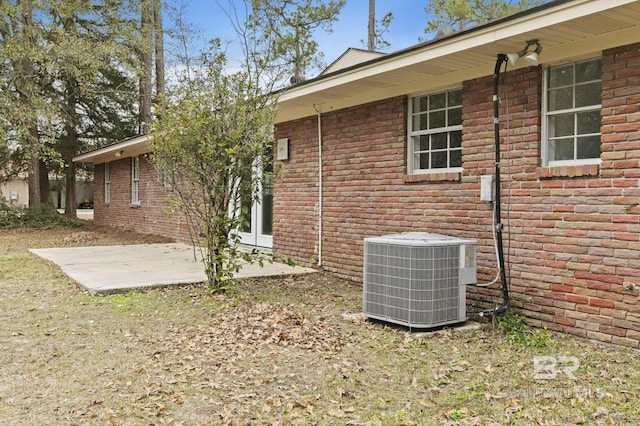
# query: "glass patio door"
x,y
258,227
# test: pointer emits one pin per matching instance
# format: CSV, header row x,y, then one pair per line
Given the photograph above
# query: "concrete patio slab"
x,y
106,269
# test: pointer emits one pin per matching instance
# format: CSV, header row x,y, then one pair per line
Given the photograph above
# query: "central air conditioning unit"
x,y
418,279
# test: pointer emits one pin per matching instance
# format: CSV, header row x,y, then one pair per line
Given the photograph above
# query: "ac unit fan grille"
x,y
416,286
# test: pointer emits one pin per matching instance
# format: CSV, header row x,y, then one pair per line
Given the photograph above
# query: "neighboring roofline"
x,y
432,65
422,45
346,52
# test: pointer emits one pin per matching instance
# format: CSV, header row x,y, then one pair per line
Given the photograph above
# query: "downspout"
x,y
319,115
502,58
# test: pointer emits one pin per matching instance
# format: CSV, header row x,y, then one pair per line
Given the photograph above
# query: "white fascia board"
x,y
112,149
523,25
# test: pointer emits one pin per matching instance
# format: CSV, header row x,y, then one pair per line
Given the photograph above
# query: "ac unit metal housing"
x,y
417,279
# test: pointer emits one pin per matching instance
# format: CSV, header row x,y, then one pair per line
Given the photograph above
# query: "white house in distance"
x,y
15,191
400,143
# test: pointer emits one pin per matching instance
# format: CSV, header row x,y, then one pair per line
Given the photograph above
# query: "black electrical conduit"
x,y
498,227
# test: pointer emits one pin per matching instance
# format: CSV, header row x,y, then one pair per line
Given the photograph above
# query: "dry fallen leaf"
x,y
600,412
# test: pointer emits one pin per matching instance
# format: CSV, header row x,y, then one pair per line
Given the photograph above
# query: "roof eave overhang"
x,y
131,147
566,29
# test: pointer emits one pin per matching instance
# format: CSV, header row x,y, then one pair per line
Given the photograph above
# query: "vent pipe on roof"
x,y
297,79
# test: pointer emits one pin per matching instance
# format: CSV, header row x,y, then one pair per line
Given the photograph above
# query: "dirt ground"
x,y
282,351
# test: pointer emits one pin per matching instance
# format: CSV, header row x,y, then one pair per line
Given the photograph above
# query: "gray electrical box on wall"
x,y
487,188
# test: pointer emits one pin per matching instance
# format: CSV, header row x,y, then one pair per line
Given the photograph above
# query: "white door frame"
x,y
256,237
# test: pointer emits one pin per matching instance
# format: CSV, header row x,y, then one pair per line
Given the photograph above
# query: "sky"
x,y
349,31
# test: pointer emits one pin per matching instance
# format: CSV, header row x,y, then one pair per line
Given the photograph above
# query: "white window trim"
x,y
135,180
107,183
544,128
410,133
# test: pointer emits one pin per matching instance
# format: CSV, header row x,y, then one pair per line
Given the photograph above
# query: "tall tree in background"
x,y
183,40
151,52
22,101
376,28
289,26
146,65
158,29
66,76
92,93
458,15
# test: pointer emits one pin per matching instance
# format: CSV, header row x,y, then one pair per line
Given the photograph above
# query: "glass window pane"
x,y
561,99
589,147
455,117
245,213
589,71
436,119
588,94
423,160
456,158
439,141
439,160
419,122
420,104
561,125
575,134
422,143
267,213
561,76
588,122
455,98
455,139
438,101
561,149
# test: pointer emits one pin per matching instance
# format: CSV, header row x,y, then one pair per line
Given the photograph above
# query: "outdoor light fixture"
x,y
119,153
530,57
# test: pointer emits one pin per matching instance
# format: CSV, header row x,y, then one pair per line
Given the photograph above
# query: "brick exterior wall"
x,y
152,216
572,233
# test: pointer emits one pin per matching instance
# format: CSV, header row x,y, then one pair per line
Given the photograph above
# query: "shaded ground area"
x,y
274,351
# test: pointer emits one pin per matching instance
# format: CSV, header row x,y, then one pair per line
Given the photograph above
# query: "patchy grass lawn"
x,y
275,351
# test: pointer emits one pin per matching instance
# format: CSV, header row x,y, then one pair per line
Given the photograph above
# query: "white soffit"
x,y
137,145
567,30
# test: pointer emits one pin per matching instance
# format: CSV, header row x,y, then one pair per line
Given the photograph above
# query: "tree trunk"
x,y
159,46
35,199
45,186
68,150
70,186
146,58
371,43
24,86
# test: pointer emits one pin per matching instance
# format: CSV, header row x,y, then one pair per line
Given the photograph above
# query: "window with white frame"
x,y
572,113
135,179
435,132
107,183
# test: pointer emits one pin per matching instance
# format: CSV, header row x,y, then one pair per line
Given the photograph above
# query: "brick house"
x,y
399,143
129,194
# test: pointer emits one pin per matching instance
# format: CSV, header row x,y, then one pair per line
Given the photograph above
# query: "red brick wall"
x,y
152,216
572,233
295,210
